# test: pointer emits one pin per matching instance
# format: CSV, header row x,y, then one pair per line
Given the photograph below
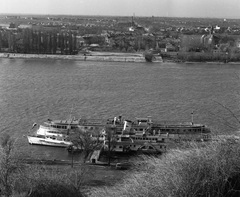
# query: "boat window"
x,y
85,127
120,146
150,147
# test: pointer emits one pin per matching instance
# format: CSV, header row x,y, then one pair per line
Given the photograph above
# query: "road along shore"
x,y
108,57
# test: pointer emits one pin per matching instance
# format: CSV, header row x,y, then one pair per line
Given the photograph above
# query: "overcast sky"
x,y
175,8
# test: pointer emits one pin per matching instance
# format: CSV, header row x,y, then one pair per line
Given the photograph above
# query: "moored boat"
x,y
56,132
152,136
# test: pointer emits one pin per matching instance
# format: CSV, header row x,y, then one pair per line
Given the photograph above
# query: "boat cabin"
x,y
143,121
62,124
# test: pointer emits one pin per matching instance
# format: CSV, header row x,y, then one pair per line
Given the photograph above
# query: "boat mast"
x,y
192,116
70,116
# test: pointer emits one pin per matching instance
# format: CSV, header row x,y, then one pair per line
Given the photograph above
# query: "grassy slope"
x,y
199,170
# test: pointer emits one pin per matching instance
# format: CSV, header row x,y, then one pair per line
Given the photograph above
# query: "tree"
x,y
110,140
39,41
54,43
148,56
85,141
10,164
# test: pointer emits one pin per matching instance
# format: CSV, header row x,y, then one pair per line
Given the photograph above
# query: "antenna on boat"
x,y
70,116
192,116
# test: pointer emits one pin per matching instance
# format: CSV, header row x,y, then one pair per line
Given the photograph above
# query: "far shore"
x,y
93,56
106,57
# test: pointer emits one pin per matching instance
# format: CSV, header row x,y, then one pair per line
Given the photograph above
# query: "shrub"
x,y
55,181
53,189
148,56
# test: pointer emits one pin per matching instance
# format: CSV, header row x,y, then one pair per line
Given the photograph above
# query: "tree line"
x,y
38,42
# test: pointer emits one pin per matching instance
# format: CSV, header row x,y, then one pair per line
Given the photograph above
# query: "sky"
x,y
170,8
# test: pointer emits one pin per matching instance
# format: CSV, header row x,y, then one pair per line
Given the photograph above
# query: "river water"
x,y
35,90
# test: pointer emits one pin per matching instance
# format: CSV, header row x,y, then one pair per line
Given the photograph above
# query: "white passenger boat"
x,y
56,132
51,134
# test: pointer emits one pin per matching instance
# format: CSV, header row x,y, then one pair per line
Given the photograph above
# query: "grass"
x,y
48,180
36,180
210,169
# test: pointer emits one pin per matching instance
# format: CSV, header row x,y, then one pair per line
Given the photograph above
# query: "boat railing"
x,y
48,127
172,124
92,122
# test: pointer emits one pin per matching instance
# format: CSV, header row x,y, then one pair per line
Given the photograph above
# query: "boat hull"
x,y
39,140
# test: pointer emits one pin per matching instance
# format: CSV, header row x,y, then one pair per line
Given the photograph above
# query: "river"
x,y
33,90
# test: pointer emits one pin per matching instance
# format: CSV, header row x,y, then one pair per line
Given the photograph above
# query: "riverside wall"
x,y
112,58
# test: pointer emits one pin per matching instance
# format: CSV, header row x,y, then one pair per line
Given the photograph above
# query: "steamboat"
x,y
143,134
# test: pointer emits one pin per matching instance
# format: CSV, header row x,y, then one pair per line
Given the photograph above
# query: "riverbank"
x,y
93,56
107,57
200,62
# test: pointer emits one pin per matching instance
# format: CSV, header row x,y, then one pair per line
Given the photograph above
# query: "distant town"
x,y
189,39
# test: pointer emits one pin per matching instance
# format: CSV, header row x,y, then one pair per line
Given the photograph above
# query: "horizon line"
x,y
207,17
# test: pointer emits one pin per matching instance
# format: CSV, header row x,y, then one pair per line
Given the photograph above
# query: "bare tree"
x,y
110,141
85,141
10,164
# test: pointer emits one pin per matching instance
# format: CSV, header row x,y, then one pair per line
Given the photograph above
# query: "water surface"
x,y
35,90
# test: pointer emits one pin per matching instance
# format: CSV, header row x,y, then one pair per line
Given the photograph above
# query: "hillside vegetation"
x,y
210,170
